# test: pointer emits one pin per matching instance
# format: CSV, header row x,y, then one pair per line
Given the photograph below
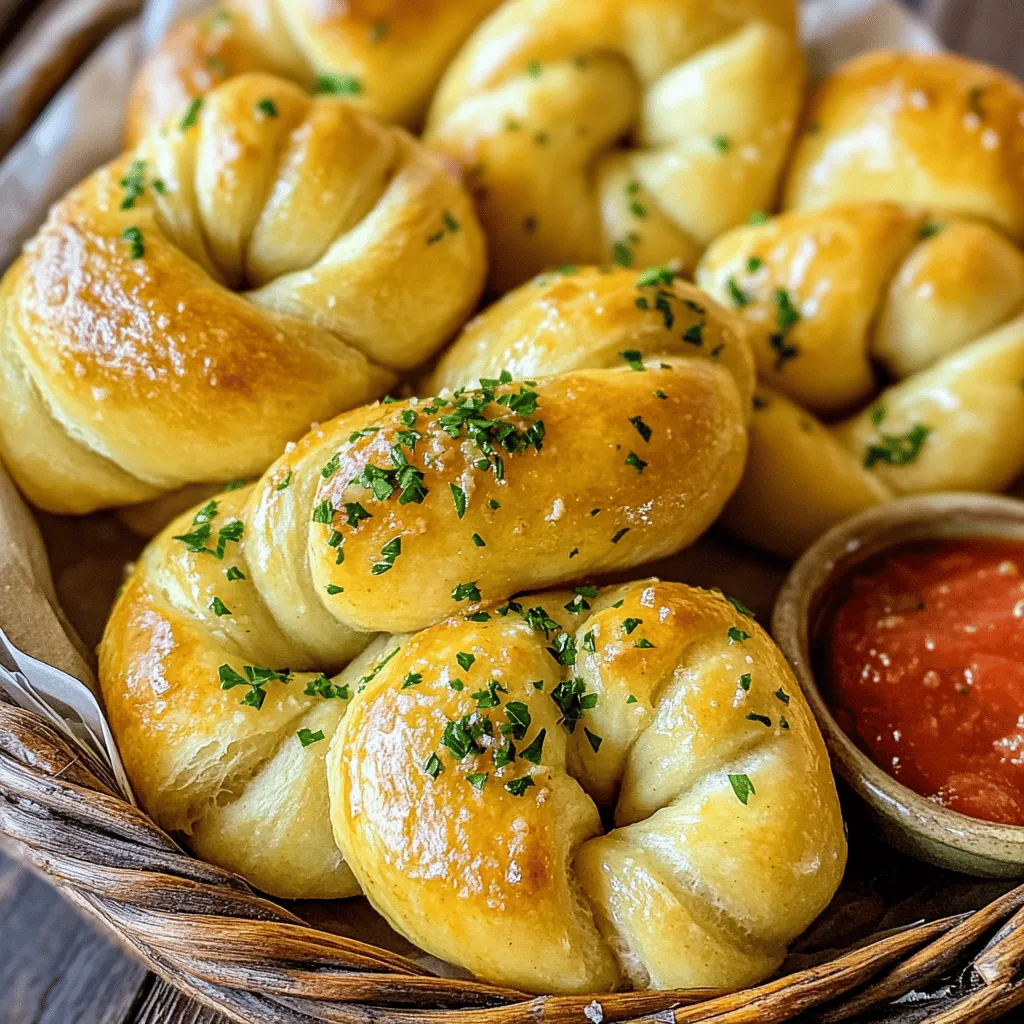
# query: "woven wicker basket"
x,y
205,931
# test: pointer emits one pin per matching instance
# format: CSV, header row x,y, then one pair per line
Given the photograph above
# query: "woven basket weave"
x,y
204,930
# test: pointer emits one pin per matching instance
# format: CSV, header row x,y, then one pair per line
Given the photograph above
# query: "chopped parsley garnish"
x,y
594,740
782,695
466,592
505,754
644,644
433,766
218,607
660,394
737,636
133,183
478,540
307,736
234,573
737,604
589,643
488,698
338,85
538,619
634,460
618,536
479,617
929,230
412,679
373,673
266,107
477,780
744,681
634,359
321,686
457,684
535,751
331,466
459,497
563,649
533,69
572,699
191,113
133,236
694,334
354,513
324,512
763,719
518,715
631,699
517,787
465,660
196,540
450,227
622,253
739,297
722,143
742,787
897,449
641,428
787,316
754,264
285,482
758,218
256,677
783,724
388,554
579,601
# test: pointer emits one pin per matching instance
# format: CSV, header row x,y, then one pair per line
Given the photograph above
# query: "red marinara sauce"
x,y
926,655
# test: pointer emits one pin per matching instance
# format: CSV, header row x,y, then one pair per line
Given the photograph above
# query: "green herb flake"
x,y
594,740
737,636
285,482
191,113
338,85
307,736
782,695
412,679
634,359
535,751
739,297
267,107
763,719
218,607
897,449
742,787
234,573
517,787
466,592
641,428
477,780
744,681
634,460
133,236
433,766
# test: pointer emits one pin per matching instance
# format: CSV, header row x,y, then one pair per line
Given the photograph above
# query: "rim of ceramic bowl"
x,y
802,607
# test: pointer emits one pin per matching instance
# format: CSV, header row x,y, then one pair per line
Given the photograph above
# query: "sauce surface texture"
x,y
926,655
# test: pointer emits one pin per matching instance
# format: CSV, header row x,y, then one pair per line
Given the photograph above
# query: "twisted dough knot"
x,y
830,294
129,365
537,103
389,518
383,56
469,780
931,131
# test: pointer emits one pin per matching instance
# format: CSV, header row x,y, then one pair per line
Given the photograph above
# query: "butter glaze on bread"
x,y
388,518
286,258
383,56
536,106
506,868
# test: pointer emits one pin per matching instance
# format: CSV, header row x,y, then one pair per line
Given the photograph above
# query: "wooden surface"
x,y
56,969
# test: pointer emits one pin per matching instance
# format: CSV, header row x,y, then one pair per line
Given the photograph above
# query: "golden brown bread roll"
x,y
200,301
834,295
935,132
537,102
469,778
384,56
387,518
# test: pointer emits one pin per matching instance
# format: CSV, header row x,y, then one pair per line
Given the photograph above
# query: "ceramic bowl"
x,y
909,821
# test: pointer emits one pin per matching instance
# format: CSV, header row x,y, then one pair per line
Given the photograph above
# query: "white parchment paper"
x,y
79,130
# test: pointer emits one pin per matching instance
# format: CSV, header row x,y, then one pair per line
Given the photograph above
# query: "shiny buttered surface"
x,y
388,518
930,131
590,790
267,261
383,56
536,106
841,299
